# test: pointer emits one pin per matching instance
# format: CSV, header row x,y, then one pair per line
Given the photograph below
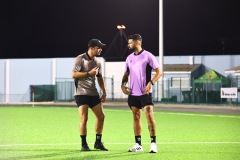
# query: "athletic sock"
x,y
98,138
84,141
138,140
153,139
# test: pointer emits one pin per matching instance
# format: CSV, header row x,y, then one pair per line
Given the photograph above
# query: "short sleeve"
x,y
126,66
152,61
77,64
100,70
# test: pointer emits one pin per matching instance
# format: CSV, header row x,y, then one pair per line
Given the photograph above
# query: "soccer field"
x,y
52,133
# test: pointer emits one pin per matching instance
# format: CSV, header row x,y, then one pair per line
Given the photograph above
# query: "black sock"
x,y
98,138
138,140
84,141
153,139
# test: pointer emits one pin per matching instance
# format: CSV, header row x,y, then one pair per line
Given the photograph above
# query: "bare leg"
x,y
137,125
98,111
148,110
83,114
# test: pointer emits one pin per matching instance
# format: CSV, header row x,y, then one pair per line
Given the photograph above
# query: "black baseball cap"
x,y
96,42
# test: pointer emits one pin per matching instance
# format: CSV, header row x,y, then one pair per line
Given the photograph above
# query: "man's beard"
x,y
132,49
98,53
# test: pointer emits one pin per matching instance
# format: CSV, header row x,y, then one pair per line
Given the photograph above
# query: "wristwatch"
x,y
151,82
88,74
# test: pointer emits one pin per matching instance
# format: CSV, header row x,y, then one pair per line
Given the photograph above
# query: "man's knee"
x,y
101,117
84,119
137,117
149,111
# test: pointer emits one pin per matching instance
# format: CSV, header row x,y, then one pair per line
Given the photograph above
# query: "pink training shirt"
x,y
140,67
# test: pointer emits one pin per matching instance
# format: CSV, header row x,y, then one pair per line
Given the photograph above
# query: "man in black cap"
x,y
85,68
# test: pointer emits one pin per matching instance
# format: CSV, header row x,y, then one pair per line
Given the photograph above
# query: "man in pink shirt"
x,y
139,66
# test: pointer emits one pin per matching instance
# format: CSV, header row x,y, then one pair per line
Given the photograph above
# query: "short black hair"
x,y
135,37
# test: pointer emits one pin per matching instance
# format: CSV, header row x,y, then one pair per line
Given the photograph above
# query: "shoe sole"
x,y
134,151
152,152
102,149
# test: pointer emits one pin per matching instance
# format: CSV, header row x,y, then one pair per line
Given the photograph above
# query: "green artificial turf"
x,y
52,133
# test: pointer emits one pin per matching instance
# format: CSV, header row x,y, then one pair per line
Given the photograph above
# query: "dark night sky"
x,y
62,28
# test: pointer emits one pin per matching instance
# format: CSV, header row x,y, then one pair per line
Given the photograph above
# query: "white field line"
x,y
117,143
204,115
171,113
183,114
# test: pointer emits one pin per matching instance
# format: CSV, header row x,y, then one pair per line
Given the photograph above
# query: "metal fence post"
x,y
112,88
193,90
55,90
168,85
180,89
206,92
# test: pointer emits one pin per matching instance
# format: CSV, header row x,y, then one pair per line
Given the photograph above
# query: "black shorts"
x,y
91,101
140,101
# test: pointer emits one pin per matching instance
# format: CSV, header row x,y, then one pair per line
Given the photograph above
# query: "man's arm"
x,y
157,75
77,75
153,80
102,86
125,78
124,88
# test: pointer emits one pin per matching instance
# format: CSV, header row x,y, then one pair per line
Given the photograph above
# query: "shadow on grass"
x,y
68,154
45,153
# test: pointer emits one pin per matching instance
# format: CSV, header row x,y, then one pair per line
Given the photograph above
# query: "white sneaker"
x,y
136,148
153,148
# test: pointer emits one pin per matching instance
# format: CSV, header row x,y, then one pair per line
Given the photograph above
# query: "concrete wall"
x,y
2,79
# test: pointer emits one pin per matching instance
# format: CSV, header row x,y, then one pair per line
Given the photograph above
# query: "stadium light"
x,y
121,27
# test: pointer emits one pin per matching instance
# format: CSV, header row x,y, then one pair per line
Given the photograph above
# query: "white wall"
x,y
64,67
116,70
2,76
26,72
181,59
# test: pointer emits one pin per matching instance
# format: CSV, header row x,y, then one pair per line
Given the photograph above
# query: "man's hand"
x,y
125,90
94,71
103,98
148,88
